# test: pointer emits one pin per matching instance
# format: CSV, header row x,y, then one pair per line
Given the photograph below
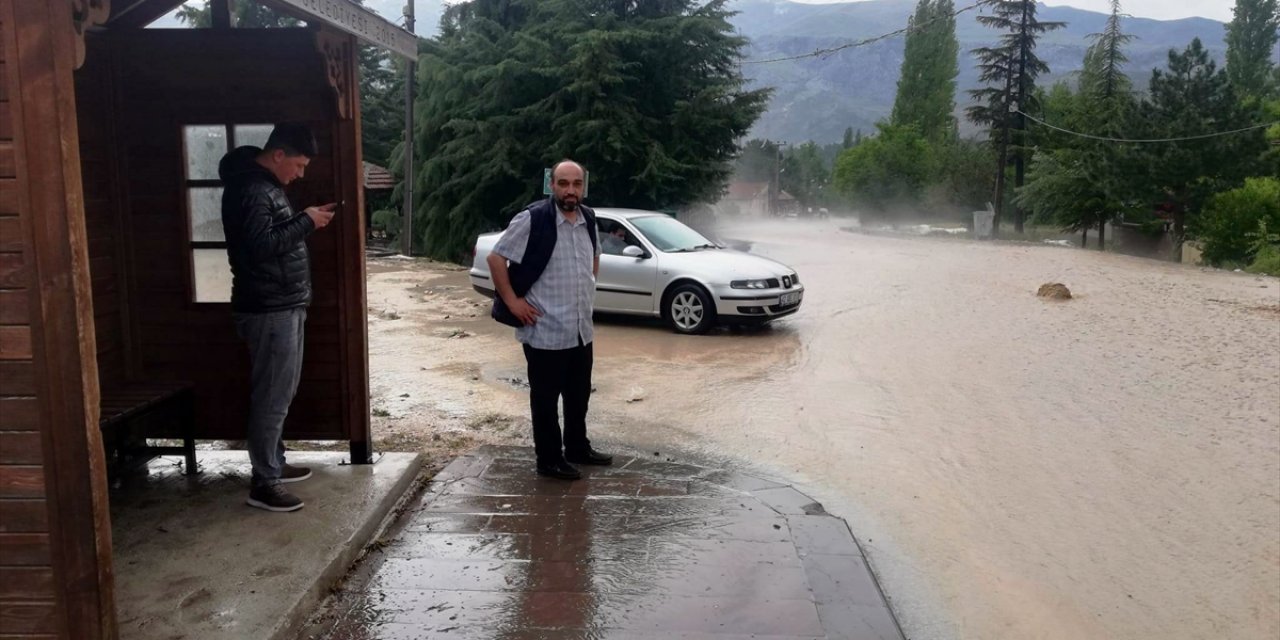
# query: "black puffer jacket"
x,y
266,239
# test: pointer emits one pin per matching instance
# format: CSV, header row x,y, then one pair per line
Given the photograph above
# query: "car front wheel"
x,y
689,309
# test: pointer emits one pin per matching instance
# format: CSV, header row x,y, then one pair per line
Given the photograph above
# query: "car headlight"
x,y
752,284
795,278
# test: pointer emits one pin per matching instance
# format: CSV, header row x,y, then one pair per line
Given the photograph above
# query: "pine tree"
x,y
648,96
1011,69
1192,96
848,137
927,84
1251,38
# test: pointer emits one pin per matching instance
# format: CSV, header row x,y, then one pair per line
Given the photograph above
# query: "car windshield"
x,y
668,234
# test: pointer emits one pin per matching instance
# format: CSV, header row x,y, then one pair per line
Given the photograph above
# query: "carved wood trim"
x,y
86,14
336,48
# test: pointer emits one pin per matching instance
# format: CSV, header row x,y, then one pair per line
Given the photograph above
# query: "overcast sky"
x,y
1158,9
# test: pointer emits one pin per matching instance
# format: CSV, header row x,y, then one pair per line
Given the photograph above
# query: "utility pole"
x,y
776,191
406,233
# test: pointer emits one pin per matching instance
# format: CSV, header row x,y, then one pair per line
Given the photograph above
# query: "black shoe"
x,y
273,498
591,456
561,470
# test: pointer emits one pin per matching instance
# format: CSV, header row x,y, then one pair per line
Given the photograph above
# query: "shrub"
x,y
387,221
1232,215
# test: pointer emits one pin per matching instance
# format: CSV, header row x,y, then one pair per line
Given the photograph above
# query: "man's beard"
x,y
566,206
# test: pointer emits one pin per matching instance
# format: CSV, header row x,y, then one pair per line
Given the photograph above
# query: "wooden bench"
x,y
146,403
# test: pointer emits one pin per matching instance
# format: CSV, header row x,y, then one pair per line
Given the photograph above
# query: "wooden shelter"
x,y
114,285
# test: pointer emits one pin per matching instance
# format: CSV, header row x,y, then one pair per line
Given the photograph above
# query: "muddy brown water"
x,y
1103,467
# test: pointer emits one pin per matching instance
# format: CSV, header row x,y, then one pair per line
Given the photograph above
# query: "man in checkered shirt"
x,y
557,334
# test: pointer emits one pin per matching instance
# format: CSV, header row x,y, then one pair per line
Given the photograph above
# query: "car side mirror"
x,y
633,251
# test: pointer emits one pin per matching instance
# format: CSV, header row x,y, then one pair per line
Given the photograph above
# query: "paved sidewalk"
x,y
642,549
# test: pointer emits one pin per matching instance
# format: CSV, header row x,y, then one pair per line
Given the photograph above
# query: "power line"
x,y
862,43
1146,140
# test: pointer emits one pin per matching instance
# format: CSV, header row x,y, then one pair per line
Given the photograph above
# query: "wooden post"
x,y
350,227
40,53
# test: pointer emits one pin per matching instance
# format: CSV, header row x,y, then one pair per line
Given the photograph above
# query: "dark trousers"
x,y
275,349
554,374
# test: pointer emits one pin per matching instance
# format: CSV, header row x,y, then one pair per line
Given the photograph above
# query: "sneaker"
x,y
273,498
291,473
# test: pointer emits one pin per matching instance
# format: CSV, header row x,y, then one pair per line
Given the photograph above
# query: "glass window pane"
x,y
206,214
205,147
212,275
253,134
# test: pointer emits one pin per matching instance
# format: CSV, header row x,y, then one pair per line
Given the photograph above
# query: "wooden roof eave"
x,y
135,14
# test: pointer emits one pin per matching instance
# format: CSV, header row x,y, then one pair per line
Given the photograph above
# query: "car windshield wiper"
x,y
709,245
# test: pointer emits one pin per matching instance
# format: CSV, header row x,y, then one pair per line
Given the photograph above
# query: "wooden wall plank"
x,y
20,447
26,583
8,165
13,306
24,549
28,617
10,234
22,481
14,273
15,343
19,414
17,378
8,197
24,515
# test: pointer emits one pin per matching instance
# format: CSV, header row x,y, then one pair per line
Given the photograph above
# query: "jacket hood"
x,y
242,164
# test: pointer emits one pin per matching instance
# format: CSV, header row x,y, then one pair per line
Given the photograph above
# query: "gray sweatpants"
x,y
275,348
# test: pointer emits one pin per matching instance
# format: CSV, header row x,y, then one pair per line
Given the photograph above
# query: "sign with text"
x,y
361,23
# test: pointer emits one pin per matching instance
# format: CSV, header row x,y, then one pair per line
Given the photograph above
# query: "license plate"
x,y
790,298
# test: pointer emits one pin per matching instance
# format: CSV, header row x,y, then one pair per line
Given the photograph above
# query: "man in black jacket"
x,y
270,291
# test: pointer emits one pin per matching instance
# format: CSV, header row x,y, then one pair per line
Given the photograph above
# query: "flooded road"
x,y
1105,467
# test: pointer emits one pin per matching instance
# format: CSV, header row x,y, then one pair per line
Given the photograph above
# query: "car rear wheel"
x,y
689,309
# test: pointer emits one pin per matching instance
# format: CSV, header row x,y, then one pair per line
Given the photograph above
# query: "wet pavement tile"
x,y
825,535
447,522
740,481
649,549
842,579
788,501
654,468
461,546
712,526
712,552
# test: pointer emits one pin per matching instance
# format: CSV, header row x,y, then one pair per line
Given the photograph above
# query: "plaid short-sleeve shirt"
x,y
566,292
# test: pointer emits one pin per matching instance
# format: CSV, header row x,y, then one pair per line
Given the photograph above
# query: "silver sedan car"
x,y
654,265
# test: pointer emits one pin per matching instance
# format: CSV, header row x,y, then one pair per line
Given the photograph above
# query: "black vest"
x,y
537,253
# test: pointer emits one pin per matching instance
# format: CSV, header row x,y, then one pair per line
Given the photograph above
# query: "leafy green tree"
x,y
244,14
1251,41
805,174
648,96
926,94
964,176
1010,70
887,170
758,161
